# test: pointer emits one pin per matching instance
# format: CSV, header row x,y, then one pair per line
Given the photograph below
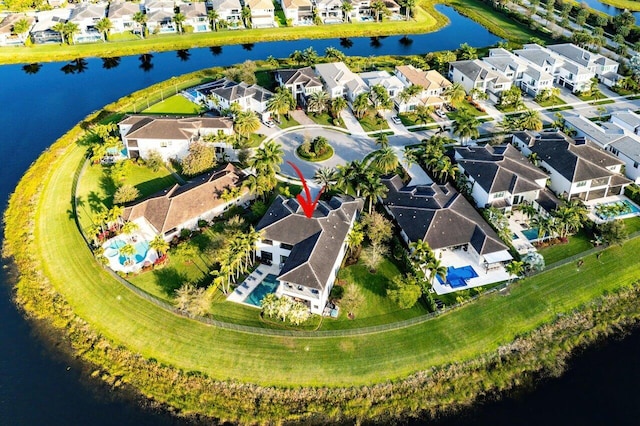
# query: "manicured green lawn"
x,y
326,120
126,36
286,122
150,331
577,244
466,106
372,123
553,101
632,224
409,119
176,104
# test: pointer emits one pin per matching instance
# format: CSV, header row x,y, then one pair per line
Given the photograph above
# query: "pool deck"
x,y
460,258
251,282
135,238
591,205
518,222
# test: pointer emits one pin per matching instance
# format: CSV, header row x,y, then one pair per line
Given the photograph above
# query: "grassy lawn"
x,y
176,104
604,102
577,244
372,123
632,224
95,189
466,106
126,36
265,79
553,101
623,4
287,122
409,119
326,120
474,329
560,108
255,139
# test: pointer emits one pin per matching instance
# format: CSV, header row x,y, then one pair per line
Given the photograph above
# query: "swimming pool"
x,y
268,285
531,233
616,209
457,277
141,250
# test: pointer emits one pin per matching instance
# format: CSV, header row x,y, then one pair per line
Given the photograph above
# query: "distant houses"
x,y
168,136
308,252
179,207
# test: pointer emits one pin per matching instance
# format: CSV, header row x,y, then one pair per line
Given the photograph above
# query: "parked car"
x,y
440,113
269,123
396,120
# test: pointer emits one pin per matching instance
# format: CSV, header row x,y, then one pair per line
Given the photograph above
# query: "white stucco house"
x,y
476,74
299,12
308,251
229,10
433,87
196,16
7,35
121,16
86,16
262,13
339,81
221,94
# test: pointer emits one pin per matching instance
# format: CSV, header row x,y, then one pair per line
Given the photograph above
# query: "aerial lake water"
x,y
38,385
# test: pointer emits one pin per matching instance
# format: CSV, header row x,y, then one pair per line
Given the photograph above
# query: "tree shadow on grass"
x,y
108,186
375,283
154,185
95,202
169,279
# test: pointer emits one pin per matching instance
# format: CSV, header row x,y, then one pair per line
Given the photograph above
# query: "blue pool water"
x,y
632,209
142,247
456,277
531,233
268,285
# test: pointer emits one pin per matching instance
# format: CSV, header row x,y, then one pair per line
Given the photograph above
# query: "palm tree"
x,y
325,177
297,56
373,188
71,29
455,93
361,104
129,228
318,102
179,19
410,156
515,268
141,19
128,251
336,106
104,26
466,126
408,7
355,237
21,27
252,183
347,8
467,52
159,245
385,160
530,120
382,140
420,251
59,28
213,17
422,114
310,55
379,8
281,102
333,53
246,16
246,122
114,216
437,270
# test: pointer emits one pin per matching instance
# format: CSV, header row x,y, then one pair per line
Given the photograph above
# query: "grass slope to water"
x,y
631,5
427,19
153,332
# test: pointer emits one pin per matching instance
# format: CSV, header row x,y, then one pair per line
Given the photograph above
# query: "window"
x,y
581,184
266,255
314,291
267,242
286,246
635,164
165,144
500,194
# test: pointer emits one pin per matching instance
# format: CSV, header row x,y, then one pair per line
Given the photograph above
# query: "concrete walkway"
x,y
301,117
351,122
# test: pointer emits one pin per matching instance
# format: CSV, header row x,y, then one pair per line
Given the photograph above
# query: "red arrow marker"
x,y
307,204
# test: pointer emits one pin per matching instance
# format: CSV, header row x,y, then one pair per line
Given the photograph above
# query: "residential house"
x,y
42,31
220,94
121,16
502,177
604,68
526,75
455,231
619,136
180,207
391,83
299,12
7,35
161,22
578,168
361,10
309,251
330,11
196,16
86,15
478,75
229,11
169,136
302,82
261,13
157,5
432,83
339,81
567,73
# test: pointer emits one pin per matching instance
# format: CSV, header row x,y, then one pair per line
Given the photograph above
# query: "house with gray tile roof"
x,y
86,16
41,32
475,74
302,82
500,176
196,16
604,68
528,76
620,136
220,94
121,16
308,251
171,137
578,168
7,36
340,81
229,10
442,217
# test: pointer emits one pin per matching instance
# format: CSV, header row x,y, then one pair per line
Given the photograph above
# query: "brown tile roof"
x,y
150,127
6,26
174,206
430,80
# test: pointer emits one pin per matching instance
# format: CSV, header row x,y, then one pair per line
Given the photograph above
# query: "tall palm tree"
x,y
361,104
104,26
281,102
515,268
179,19
455,93
437,269
246,16
127,251
408,7
466,126
336,106
372,188
246,122
213,17
382,140
379,8
385,160
347,8
530,120
297,56
467,52
325,177
129,228
420,251
21,27
422,114
141,19
159,245
355,237
318,102
333,53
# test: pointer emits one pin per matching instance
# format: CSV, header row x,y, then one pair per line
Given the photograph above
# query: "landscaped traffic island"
x,y
232,367
316,150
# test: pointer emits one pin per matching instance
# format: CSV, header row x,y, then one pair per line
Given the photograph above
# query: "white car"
x,y
269,123
440,113
396,120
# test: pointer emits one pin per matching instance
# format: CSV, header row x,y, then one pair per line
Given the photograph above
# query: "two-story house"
x,y
220,94
169,136
262,13
502,177
196,16
42,31
121,16
299,12
577,167
302,82
330,11
339,81
229,11
524,74
160,14
478,75
432,83
391,83
604,68
308,251
86,16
